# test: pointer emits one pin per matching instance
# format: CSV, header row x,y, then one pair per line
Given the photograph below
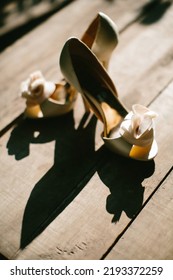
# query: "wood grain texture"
x,y
151,235
141,65
55,173
16,15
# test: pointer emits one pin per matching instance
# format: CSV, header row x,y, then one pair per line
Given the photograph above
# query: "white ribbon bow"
x,y
36,89
138,126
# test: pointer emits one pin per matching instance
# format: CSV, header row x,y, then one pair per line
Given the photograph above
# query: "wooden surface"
x,y
21,16
63,195
15,14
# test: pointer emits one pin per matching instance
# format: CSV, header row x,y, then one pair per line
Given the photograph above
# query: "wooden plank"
x,y
151,235
16,15
18,61
143,59
84,229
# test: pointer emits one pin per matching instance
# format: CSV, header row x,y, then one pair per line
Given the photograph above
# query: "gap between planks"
x,y
137,214
154,226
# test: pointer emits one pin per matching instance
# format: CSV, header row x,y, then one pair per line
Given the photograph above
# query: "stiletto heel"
x,y
101,37
130,134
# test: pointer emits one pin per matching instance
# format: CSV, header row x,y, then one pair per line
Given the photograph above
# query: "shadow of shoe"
x,y
74,164
124,179
154,11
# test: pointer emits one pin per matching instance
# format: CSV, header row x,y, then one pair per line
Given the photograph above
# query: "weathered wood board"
x,y
16,14
151,234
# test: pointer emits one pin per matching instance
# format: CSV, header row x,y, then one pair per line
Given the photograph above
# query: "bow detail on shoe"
x,y
137,127
36,89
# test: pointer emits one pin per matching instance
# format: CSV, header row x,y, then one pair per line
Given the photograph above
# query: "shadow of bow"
x,y
124,177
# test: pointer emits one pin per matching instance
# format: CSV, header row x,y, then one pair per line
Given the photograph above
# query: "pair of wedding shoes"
x,y
83,64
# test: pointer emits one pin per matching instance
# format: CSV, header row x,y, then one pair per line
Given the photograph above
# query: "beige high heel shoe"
x,y
46,99
130,134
